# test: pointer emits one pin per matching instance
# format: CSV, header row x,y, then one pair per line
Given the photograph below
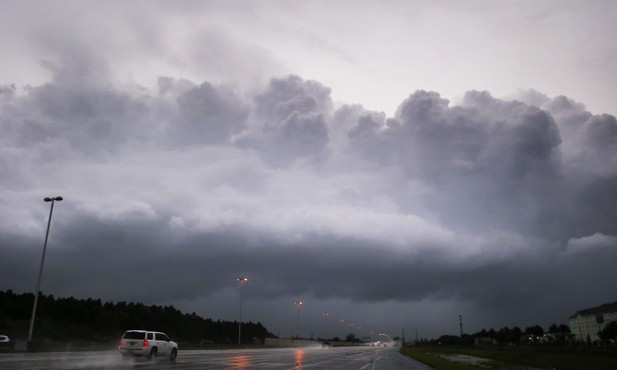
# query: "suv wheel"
x,y
152,354
173,355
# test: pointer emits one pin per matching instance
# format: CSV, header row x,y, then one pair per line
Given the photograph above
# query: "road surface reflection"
x,y
299,357
240,362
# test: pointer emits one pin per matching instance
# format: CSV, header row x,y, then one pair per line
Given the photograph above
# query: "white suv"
x,y
149,344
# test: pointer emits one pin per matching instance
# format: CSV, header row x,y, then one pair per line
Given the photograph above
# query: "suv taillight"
x,y
145,343
121,341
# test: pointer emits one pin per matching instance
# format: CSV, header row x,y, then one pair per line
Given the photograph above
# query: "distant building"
x,y
586,324
484,341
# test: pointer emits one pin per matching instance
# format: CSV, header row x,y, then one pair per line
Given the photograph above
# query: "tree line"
x,y
556,334
91,320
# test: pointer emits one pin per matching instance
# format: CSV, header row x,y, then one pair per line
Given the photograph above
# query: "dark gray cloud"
x,y
208,115
496,207
285,96
290,121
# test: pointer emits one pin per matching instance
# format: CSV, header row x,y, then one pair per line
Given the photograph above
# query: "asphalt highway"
x,y
362,358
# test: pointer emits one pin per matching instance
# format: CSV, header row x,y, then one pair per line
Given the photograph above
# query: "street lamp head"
x,y
242,279
298,303
58,198
48,199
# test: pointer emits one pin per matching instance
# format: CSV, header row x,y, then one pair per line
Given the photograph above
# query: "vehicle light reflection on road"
x,y
240,362
299,356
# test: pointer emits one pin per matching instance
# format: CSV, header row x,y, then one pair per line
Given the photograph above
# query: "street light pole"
x,y
241,280
38,285
298,304
325,325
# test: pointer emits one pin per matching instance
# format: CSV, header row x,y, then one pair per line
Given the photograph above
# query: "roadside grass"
x,y
432,359
518,357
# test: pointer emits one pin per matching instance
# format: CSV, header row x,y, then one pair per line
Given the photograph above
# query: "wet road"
x,y
363,358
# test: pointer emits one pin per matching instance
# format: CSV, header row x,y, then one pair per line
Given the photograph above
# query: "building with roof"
x,y
586,324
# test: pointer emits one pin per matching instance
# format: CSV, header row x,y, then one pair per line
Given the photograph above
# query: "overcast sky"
x,y
396,164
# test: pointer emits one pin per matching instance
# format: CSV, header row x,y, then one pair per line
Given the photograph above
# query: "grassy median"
x,y
565,358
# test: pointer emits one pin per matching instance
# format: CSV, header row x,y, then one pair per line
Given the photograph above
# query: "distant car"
x,y
4,339
147,344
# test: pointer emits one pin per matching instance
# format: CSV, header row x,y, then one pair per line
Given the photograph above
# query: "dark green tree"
x,y
534,330
609,331
563,328
92,321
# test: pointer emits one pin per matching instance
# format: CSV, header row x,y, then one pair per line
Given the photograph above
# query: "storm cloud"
x,y
500,209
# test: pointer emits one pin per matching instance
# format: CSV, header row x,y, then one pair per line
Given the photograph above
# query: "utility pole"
x,y
460,322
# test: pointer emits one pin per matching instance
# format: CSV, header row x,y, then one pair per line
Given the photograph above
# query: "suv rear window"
x,y
134,335
161,336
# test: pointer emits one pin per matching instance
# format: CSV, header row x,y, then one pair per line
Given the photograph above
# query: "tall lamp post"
x,y
38,285
241,280
298,304
325,325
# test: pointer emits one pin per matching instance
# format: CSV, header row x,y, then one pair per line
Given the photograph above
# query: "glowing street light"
x,y
38,285
298,304
241,280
